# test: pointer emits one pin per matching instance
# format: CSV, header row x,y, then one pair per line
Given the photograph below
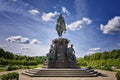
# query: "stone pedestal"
x,y
60,46
61,58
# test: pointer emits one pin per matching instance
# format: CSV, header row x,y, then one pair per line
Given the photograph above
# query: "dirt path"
x,y
107,76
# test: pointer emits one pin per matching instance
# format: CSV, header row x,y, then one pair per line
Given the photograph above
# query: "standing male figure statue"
x,y
60,26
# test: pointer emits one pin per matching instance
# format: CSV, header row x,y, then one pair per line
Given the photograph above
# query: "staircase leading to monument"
x,y
43,72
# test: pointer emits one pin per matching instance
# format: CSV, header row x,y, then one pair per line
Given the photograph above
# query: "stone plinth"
x,y
60,46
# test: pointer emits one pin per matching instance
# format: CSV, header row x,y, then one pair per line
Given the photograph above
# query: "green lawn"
x,y
116,70
39,65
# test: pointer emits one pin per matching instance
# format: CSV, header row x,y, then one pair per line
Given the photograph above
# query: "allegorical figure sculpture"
x,y
51,54
60,26
71,54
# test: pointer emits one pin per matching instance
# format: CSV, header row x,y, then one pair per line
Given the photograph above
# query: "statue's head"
x,y
71,45
51,46
60,15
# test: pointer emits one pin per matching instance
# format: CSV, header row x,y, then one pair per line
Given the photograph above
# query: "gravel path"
x,y
108,75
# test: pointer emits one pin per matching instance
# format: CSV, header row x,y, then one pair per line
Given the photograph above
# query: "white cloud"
x,y
86,20
112,26
18,39
23,40
64,10
34,11
49,16
77,25
34,41
93,50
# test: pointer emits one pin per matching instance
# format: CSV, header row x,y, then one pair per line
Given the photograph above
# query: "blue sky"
x,y
27,27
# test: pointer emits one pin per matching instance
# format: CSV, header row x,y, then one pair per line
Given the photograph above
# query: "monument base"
x,y
59,55
45,72
59,64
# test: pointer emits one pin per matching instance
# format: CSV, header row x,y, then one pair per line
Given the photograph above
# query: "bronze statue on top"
x,y
60,26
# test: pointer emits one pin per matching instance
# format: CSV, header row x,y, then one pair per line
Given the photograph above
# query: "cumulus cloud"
x,y
18,39
23,40
77,25
34,11
64,10
34,41
93,50
49,16
112,26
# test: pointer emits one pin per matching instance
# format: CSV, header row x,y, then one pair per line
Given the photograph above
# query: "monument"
x,y
61,59
60,56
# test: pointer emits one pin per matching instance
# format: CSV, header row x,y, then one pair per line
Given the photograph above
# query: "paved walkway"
x,y
108,75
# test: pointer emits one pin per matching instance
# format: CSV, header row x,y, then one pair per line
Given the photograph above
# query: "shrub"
x,y
10,76
4,77
9,68
89,67
118,75
30,63
107,68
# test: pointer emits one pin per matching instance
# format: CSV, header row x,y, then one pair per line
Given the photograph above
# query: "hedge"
x,y
118,75
10,76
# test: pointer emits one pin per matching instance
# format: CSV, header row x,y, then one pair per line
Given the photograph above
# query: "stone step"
x,y
61,72
62,75
58,73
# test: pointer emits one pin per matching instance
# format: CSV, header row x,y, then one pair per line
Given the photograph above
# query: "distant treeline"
x,y
102,60
114,54
7,58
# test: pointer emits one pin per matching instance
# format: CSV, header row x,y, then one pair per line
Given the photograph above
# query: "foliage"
x,y
10,76
104,60
118,75
7,58
17,62
10,61
81,62
9,68
114,54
